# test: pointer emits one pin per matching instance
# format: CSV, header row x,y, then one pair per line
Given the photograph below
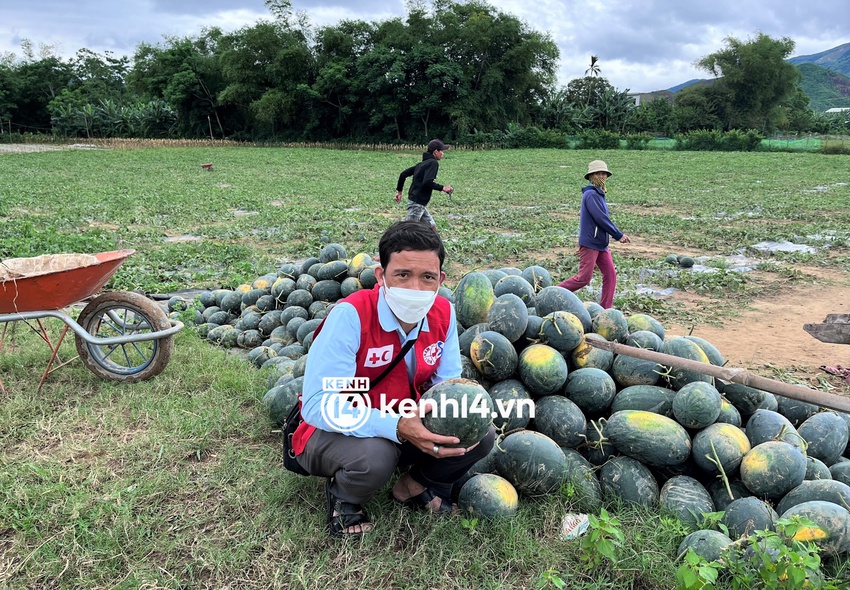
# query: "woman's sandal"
x,y
347,515
422,501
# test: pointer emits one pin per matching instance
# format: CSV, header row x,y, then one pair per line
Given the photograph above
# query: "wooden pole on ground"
x,y
737,375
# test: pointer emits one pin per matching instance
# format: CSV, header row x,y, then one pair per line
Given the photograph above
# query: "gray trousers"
x,y
362,466
417,212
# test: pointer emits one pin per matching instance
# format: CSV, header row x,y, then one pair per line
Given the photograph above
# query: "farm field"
x,y
177,482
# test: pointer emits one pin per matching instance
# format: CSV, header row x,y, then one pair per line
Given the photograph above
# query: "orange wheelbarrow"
x,y
120,335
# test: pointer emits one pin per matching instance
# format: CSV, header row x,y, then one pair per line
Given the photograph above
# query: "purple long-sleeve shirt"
x,y
595,223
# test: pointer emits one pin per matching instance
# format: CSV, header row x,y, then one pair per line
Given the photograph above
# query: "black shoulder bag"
x,y
294,419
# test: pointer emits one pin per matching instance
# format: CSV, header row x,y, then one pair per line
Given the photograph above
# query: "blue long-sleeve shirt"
x,y
333,354
595,223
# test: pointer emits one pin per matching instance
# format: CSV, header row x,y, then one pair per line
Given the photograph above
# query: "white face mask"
x,y
409,305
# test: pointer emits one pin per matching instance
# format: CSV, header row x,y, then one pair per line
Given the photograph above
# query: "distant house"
x,y
837,110
641,97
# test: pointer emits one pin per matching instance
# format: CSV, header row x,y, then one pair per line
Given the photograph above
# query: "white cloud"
x,y
643,45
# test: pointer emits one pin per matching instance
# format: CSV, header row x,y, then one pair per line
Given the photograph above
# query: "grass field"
x,y
177,482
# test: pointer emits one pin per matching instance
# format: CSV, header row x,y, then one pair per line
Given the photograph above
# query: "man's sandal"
x,y
422,501
347,515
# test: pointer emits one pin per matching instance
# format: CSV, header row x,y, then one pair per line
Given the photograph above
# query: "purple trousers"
x,y
588,258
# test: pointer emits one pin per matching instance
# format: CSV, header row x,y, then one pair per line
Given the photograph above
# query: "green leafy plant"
x,y
603,539
551,578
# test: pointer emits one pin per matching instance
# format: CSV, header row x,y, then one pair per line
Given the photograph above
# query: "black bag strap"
x,y
296,410
404,350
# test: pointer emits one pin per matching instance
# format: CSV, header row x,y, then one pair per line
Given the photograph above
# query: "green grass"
x,y
177,482
262,206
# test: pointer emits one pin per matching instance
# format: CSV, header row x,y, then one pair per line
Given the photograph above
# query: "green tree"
x,y
266,68
755,78
186,75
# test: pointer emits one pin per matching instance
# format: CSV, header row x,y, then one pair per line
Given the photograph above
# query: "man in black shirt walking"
x,y
423,183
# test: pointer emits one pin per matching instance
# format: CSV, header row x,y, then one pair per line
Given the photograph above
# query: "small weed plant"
x,y
603,540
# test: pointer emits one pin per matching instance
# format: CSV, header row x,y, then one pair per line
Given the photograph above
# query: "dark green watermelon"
x,y
686,499
508,316
510,399
591,389
744,516
826,435
650,398
532,462
708,544
628,480
551,299
462,408
560,419
281,289
720,494
628,370
516,285
765,425
583,487
696,405
538,277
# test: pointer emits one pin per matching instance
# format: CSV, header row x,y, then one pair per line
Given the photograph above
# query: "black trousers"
x,y
362,466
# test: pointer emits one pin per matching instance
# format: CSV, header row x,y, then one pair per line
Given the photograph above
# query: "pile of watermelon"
x,y
572,418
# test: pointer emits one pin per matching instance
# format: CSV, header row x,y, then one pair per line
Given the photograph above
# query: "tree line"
x,y
455,69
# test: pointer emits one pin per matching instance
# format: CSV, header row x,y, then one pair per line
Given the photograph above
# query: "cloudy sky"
x,y
643,45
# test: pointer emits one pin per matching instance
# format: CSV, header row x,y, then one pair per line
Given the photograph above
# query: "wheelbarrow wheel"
x,y
122,313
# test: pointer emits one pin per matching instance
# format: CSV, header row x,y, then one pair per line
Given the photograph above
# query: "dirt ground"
x,y
768,337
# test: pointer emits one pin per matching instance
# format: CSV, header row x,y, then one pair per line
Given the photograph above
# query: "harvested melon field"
x,y
177,481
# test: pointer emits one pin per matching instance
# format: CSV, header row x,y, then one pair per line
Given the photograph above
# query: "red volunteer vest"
x,y
378,348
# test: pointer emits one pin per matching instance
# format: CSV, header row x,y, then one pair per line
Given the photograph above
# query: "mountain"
x,y
836,59
825,87
824,77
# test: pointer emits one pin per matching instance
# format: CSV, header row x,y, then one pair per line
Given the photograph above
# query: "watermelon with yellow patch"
x,y
687,349
542,369
473,298
586,356
642,321
652,438
611,324
488,495
720,446
494,355
561,330
773,468
358,263
831,529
